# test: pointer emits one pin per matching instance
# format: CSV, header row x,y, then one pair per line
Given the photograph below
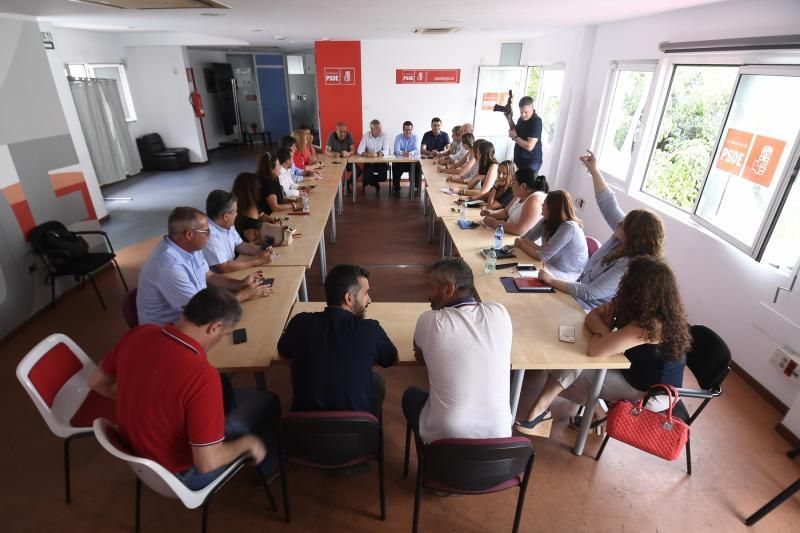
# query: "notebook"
x,y
532,285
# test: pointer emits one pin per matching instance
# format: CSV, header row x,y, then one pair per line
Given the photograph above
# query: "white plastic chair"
x,y
164,482
55,374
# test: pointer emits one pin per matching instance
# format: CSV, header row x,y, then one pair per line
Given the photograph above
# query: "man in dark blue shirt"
x,y
527,136
332,352
436,140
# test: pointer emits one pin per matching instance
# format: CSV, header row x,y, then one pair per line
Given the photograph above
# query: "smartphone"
x,y
336,162
566,333
526,266
268,281
505,265
239,336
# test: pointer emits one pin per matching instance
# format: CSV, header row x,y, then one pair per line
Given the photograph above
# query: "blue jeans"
x,y
257,415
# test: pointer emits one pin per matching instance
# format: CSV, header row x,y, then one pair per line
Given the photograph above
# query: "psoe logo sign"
x,y
333,76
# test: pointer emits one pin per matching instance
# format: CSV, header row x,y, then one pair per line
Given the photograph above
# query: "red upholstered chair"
x,y
55,374
474,466
129,310
328,440
592,244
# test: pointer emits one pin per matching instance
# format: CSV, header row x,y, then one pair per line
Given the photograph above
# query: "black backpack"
x,y
53,238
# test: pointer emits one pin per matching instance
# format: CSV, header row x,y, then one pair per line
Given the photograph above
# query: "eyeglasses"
x,y
203,231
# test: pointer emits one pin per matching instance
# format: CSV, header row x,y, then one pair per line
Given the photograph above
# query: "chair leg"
x,y
67,491
263,481
382,477
284,486
523,488
773,503
52,293
417,494
602,447
204,526
121,277
138,510
688,457
96,291
408,448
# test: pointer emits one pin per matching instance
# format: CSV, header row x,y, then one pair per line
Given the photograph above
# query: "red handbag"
x,y
660,434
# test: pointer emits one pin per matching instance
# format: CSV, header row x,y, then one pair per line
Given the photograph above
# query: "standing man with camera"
x,y
526,134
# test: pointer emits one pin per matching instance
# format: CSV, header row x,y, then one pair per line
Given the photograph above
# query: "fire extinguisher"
x,y
197,104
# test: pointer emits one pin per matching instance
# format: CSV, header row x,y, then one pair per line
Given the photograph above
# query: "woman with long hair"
x,y
271,197
468,158
640,232
502,193
563,245
249,217
466,173
486,173
647,321
525,208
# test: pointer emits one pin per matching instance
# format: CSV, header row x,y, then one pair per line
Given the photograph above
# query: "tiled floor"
x,y
739,461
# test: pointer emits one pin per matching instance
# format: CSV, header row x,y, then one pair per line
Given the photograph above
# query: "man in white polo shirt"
x,y
466,347
224,242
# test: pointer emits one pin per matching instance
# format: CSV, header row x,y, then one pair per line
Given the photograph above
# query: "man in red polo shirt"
x,y
169,398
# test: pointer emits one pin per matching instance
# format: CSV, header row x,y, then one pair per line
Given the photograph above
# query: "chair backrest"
x,y
152,474
330,439
53,237
55,374
592,244
476,465
152,142
129,310
709,358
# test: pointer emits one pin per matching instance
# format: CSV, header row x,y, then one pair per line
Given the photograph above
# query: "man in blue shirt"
x,y
332,352
527,136
435,141
224,242
406,144
177,270
298,174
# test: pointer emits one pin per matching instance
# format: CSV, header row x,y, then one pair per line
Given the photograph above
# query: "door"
x,y
274,98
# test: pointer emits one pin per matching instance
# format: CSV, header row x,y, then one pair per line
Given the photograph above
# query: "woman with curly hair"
x,y
640,232
646,320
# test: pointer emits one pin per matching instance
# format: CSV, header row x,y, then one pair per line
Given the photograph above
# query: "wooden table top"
x,y
535,317
442,203
385,159
398,320
263,318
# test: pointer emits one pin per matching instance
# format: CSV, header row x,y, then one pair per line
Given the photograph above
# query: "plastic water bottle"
x,y
499,233
306,203
462,209
491,261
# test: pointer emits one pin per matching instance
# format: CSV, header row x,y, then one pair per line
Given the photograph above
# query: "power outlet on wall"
x,y
788,363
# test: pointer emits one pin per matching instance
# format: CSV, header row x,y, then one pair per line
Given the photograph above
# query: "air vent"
x,y
435,31
156,4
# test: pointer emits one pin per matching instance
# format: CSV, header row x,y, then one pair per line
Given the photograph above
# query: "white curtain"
x,y
103,123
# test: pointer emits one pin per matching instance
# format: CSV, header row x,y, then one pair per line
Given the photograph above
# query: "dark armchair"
x,y
155,156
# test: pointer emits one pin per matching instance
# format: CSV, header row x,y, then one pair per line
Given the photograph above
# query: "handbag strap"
x,y
671,392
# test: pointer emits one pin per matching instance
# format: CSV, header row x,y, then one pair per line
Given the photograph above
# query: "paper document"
x,y
448,191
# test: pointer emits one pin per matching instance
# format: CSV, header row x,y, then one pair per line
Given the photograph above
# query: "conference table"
x,y
535,317
263,319
389,159
310,227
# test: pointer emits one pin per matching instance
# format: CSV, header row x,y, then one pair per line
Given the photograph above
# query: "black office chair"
x,y
787,493
66,253
472,466
710,361
330,440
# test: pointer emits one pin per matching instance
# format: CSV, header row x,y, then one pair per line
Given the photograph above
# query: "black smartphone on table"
x,y
239,336
268,281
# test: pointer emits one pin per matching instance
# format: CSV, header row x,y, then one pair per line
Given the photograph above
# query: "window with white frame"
x,y
725,149
107,71
544,86
629,87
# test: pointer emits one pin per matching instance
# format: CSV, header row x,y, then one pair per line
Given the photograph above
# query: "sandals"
x,y
527,426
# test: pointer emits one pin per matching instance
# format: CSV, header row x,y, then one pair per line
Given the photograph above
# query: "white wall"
x,y
83,46
393,104
722,287
160,89
198,60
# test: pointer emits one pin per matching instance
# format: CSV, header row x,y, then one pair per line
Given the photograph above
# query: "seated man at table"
x,y
340,144
374,144
435,141
406,144
177,270
169,398
466,347
224,242
332,352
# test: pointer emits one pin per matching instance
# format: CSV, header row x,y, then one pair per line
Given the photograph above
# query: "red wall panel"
x,y
339,86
